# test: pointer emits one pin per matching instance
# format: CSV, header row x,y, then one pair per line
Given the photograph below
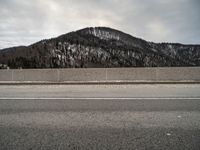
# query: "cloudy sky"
x,y
23,22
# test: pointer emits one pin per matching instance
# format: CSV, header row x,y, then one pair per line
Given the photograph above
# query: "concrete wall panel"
x,y
89,74
35,75
131,74
5,75
178,73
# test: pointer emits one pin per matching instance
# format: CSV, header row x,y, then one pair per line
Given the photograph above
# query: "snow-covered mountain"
x,y
99,47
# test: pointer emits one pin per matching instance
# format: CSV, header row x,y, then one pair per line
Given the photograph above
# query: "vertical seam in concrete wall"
x,y
106,74
58,75
156,79
12,75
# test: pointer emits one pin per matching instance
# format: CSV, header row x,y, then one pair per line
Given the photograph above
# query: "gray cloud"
x,y
23,22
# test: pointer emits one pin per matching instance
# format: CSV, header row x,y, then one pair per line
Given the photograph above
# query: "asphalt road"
x,y
142,117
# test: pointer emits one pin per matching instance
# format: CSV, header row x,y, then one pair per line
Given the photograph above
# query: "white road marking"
x,y
100,98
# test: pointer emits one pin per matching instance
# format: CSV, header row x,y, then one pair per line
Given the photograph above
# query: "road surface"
x,y
58,117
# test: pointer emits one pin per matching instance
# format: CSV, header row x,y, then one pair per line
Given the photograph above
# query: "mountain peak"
x,y
105,33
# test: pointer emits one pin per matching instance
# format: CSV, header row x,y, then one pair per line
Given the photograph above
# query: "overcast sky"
x,y
23,22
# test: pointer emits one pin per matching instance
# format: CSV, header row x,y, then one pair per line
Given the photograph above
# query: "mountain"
x,y
99,47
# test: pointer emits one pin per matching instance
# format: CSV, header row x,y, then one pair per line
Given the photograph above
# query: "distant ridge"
x,y
99,47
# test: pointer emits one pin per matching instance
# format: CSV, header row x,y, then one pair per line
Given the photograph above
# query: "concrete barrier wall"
x,y
102,74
